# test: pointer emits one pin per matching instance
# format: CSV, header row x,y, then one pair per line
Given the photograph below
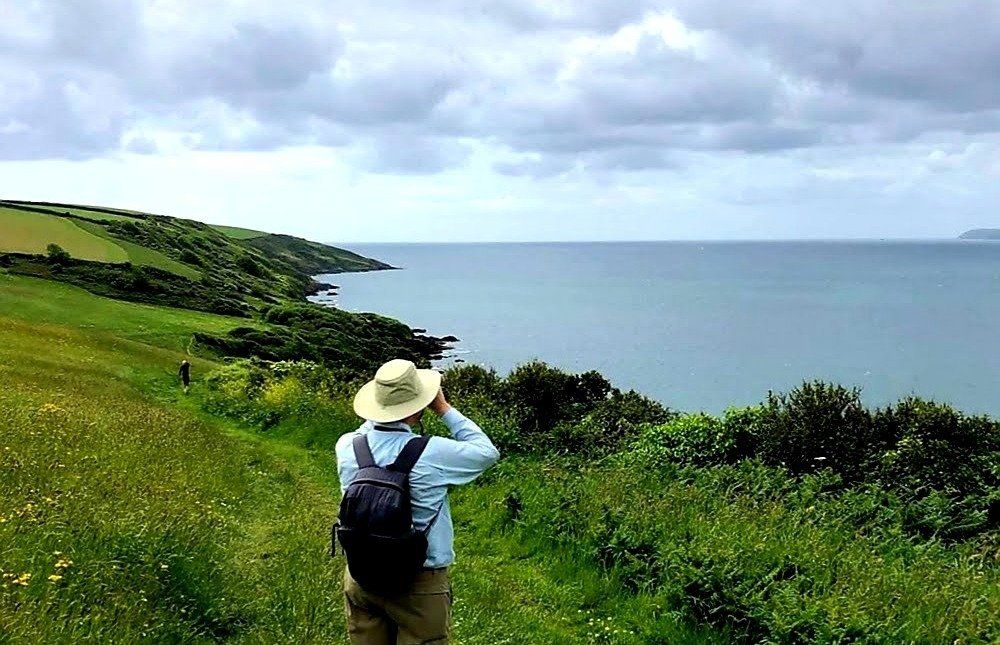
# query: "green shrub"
x,y
355,343
611,424
190,257
543,396
943,463
818,425
57,254
756,552
466,381
301,399
696,440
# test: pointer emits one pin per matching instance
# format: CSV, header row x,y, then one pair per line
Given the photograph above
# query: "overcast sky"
x,y
461,120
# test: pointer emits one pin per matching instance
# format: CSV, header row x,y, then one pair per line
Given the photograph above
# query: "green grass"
x,y
26,232
145,256
234,267
172,525
664,553
33,300
99,216
91,212
238,233
161,525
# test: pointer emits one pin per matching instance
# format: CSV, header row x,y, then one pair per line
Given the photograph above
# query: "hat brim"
x,y
367,406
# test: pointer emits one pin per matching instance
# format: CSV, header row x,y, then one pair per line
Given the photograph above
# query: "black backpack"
x,y
385,552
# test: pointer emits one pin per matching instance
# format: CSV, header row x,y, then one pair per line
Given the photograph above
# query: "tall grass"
x,y
685,533
164,523
126,519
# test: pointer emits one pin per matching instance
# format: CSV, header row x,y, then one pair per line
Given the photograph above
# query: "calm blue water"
x,y
708,325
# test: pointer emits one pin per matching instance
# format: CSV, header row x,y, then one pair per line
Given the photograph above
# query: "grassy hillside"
x,y
232,270
125,515
130,512
238,233
129,515
31,233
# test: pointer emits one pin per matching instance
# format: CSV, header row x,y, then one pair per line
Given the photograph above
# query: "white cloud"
x,y
518,118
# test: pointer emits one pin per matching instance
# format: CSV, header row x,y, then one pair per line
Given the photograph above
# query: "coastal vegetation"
x,y
807,518
131,512
168,260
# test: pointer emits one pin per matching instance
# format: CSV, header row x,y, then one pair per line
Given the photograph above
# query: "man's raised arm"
x,y
469,452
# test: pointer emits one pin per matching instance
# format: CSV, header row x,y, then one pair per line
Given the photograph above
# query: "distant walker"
x,y
185,374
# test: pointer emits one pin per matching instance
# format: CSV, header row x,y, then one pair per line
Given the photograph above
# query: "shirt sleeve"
x,y
467,454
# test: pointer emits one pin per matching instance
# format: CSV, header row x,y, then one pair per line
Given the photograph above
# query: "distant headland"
x,y
981,234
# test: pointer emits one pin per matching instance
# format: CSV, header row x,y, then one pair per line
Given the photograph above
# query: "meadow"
x,y
129,514
23,232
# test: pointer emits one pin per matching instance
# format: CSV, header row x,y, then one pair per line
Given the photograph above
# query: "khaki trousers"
x,y
422,615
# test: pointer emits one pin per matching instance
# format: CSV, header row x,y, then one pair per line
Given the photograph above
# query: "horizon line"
x,y
674,240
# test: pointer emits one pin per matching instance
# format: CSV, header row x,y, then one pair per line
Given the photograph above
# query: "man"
x,y
392,404
185,374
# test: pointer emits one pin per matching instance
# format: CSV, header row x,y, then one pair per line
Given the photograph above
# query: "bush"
x,y
190,257
471,380
946,464
818,425
611,424
542,396
690,440
250,265
57,254
300,398
765,556
356,343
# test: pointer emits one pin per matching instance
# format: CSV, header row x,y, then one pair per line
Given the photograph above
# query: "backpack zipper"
x,y
378,482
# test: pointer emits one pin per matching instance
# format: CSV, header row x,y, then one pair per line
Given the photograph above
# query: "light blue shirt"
x,y
444,463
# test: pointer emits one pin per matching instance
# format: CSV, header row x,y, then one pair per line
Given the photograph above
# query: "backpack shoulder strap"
x,y
362,452
409,454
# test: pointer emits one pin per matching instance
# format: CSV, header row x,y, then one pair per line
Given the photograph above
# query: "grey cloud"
x,y
631,159
545,166
405,93
402,91
599,15
104,32
755,137
411,154
944,54
141,145
73,116
659,84
254,59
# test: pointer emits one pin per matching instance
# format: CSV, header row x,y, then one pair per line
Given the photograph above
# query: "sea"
x,y
708,325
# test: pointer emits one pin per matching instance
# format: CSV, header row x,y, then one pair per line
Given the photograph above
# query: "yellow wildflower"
x,y
55,578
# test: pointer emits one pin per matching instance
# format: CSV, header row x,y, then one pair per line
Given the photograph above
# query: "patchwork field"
x,y
238,233
144,256
26,232
96,213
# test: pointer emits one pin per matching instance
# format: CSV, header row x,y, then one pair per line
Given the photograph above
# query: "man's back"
x,y
444,462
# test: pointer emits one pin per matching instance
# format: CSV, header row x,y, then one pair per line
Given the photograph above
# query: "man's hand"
x,y
439,405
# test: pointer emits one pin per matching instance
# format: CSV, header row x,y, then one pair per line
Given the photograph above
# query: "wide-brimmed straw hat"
x,y
398,390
